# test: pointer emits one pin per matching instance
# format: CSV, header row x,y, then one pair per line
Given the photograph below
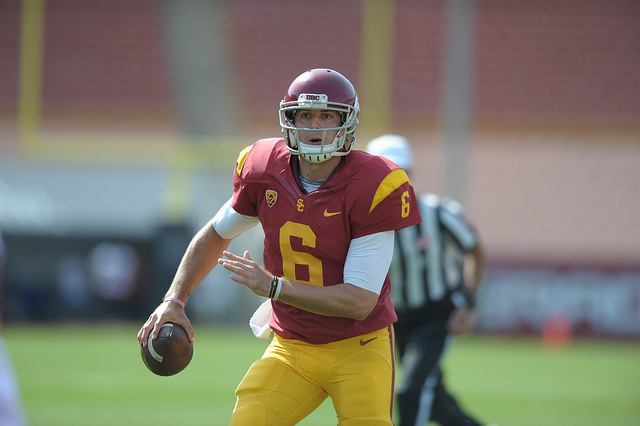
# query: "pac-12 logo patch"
x,y
272,197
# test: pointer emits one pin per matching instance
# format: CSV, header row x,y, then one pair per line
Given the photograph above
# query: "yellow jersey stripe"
x,y
390,183
241,159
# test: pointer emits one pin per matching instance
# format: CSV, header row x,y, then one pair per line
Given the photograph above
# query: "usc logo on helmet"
x,y
312,100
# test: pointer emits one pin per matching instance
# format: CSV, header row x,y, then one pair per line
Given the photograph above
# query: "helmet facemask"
x,y
317,153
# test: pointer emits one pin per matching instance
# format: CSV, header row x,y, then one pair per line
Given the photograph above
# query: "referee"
x,y
436,270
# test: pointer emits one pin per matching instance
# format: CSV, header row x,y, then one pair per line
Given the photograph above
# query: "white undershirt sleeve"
x,y
368,261
229,224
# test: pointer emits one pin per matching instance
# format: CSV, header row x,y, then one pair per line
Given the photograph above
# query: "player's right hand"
x,y
165,312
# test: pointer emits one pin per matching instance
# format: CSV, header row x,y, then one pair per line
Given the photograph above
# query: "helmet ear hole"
x,y
290,115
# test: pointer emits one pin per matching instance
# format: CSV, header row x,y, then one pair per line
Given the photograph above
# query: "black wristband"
x,y
274,287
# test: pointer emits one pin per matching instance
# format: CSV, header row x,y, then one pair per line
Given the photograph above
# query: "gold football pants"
x,y
293,378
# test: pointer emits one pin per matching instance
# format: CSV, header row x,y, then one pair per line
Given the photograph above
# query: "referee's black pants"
x,y
421,396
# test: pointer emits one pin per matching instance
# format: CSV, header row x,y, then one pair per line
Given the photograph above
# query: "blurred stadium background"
x,y
120,122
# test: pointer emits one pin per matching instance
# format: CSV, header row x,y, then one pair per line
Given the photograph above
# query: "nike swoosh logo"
x,y
329,214
364,342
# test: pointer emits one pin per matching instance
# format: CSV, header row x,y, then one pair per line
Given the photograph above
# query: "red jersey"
x,y
307,235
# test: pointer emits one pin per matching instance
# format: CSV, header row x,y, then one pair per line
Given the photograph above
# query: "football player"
x,y
329,214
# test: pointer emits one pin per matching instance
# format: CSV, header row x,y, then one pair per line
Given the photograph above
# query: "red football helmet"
x,y
321,89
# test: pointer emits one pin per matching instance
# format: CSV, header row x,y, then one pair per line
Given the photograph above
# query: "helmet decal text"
x,y
310,100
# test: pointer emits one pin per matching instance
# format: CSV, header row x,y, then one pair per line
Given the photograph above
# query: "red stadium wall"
x,y
563,61
549,63
102,61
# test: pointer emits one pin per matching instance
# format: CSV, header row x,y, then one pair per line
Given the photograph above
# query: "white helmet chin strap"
x,y
316,158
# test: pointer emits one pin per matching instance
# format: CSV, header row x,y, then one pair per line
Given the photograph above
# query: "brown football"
x,y
170,353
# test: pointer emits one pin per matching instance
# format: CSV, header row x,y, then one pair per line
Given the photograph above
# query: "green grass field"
x,y
93,375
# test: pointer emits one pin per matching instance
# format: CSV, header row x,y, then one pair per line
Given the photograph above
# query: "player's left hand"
x,y
462,320
247,272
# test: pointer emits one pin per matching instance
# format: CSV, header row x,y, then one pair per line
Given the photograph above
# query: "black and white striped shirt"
x,y
427,264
